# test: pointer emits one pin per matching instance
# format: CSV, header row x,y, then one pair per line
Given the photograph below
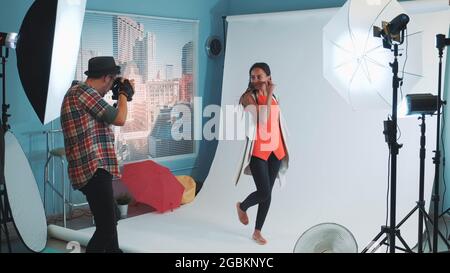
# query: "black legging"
x,y
264,174
99,194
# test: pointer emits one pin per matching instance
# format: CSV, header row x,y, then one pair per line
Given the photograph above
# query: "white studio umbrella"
x,y
355,62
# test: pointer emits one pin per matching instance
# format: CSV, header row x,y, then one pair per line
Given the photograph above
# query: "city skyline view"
x,y
171,35
158,55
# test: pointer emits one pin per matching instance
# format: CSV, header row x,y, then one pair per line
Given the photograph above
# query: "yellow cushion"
x,y
189,188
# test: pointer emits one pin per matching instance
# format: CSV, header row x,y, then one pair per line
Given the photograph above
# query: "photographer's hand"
x,y
123,91
127,89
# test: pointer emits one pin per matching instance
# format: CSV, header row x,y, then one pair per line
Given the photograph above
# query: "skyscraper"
x,y
186,81
137,119
145,57
125,34
169,72
187,59
186,88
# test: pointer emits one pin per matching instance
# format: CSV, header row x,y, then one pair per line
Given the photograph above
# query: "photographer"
x,y
89,144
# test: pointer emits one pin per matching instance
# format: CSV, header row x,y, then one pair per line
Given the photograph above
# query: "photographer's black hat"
x,y
102,65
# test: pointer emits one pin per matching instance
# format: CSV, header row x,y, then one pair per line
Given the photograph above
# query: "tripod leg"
x,y
383,242
8,217
425,239
406,218
374,240
444,239
4,220
428,236
445,212
421,219
1,221
439,232
408,249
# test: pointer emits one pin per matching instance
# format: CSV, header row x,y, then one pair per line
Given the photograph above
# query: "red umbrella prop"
x,y
153,184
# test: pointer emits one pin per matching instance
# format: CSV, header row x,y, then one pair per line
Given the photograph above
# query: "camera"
x,y
124,85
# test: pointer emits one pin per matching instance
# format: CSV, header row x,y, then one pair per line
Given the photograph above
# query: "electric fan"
x,y
326,238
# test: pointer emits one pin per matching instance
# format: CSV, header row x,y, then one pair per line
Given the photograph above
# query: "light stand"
x,y
392,230
421,203
5,210
423,215
393,34
394,147
447,211
441,42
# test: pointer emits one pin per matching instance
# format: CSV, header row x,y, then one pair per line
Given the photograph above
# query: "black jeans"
x,y
99,194
264,174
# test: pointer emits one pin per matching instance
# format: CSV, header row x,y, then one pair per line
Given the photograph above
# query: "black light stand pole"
x,y
5,210
394,148
392,230
441,42
423,215
421,202
5,106
391,132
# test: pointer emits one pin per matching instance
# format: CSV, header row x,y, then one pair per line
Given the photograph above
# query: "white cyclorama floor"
x,y
210,222
196,228
205,225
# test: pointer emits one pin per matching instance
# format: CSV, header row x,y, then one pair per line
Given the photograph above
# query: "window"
x,y
160,56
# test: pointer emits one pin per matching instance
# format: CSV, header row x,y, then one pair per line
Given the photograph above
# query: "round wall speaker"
x,y
213,46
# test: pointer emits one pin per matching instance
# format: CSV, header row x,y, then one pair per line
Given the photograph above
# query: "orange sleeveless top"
x,y
268,136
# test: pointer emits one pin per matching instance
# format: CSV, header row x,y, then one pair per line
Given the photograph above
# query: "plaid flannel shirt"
x,y
88,140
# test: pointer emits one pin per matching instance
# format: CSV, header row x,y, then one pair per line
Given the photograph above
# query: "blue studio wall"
x,y
28,129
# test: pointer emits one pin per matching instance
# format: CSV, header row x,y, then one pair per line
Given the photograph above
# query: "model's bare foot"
x,y
242,214
258,237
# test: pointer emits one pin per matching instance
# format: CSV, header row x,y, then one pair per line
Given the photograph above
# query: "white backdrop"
x,y
339,159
